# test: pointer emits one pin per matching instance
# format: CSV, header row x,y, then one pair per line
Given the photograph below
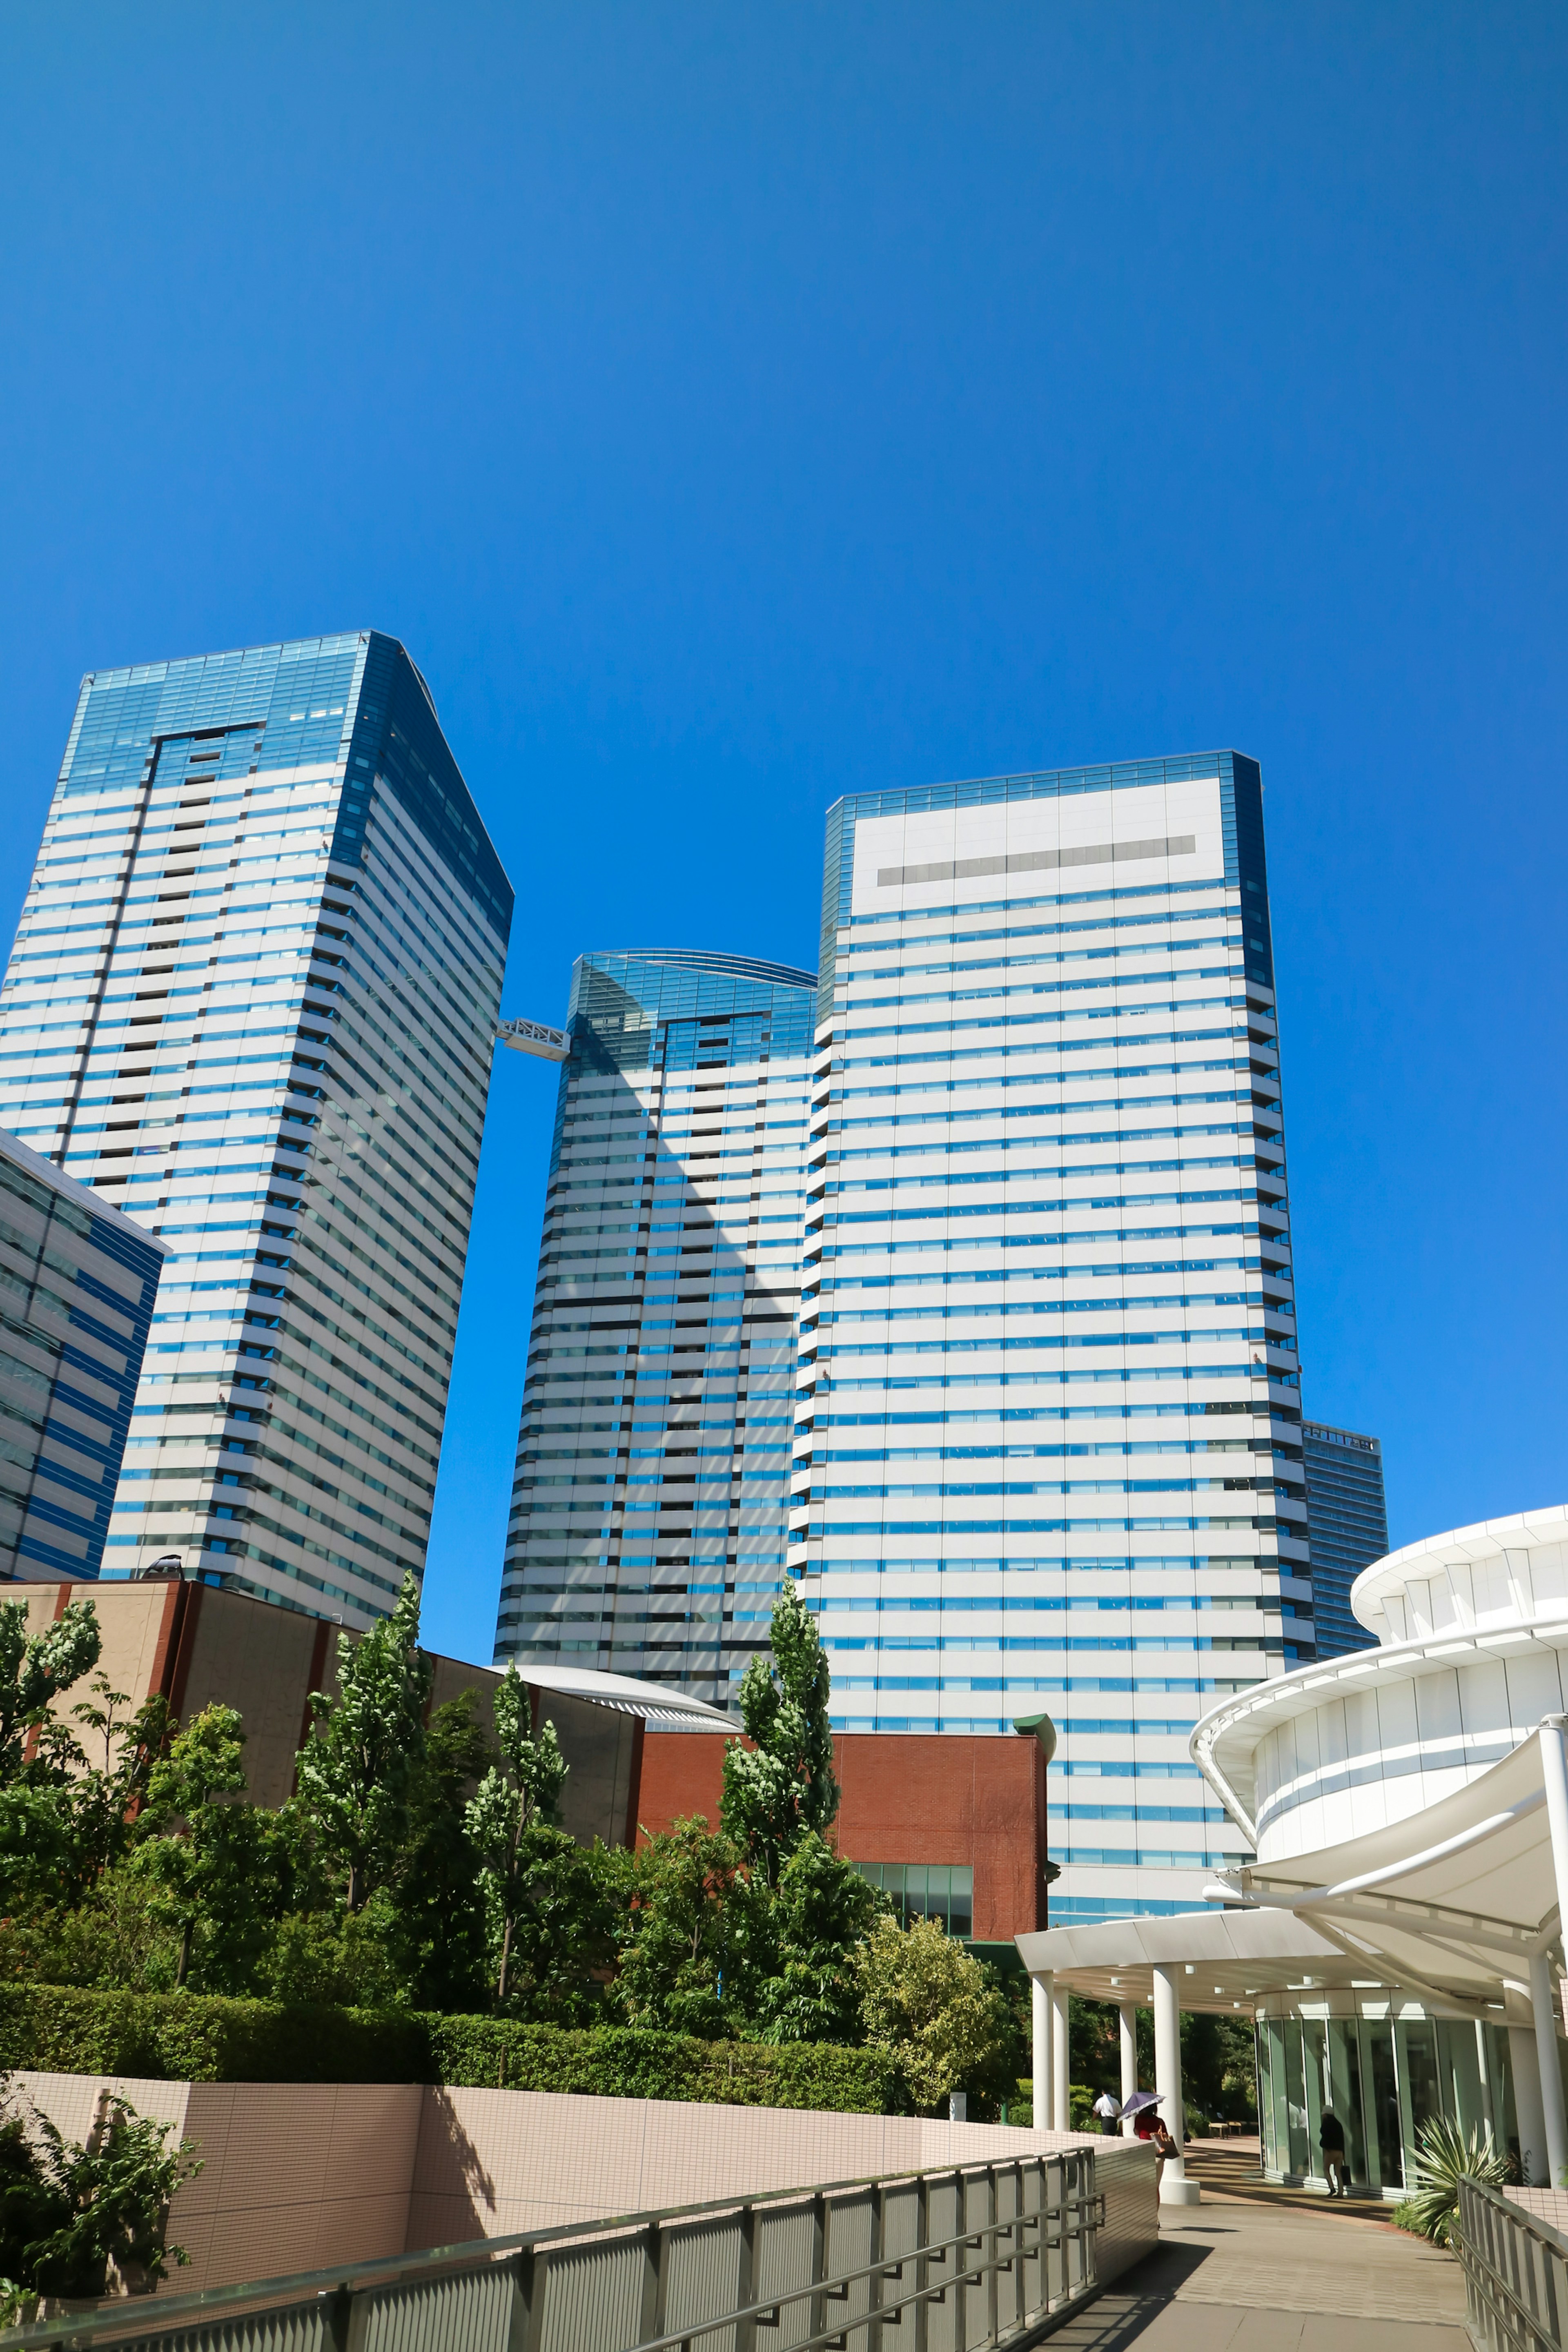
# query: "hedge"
x,y
625,2062
191,2038
198,2038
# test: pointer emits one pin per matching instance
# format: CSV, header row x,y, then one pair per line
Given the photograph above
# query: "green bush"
x,y
196,2037
637,2062
193,2038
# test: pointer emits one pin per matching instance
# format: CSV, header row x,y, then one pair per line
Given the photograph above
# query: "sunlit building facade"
x,y
1050,1452
252,1000
650,1514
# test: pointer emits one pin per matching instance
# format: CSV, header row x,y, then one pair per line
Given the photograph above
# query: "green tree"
x,y
821,1911
357,1772
67,2211
34,1669
203,1857
439,1934
933,2004
508,1804
102,1793
784,1784
690,1934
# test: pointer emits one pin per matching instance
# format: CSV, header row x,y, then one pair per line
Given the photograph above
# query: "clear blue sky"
x,y
732,407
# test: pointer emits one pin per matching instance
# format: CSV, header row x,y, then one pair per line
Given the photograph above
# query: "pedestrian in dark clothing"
x,y
1331,2140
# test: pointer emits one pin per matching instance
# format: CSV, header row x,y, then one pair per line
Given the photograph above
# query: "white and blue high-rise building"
x,y
1049,1450
650,1505
252,1001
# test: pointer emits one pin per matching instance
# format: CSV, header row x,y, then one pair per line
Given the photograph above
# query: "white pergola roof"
x,y
1446,1905
629,1695
1233,1956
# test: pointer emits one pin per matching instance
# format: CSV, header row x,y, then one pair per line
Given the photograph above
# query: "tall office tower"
x,y
650,1507
253,994
77,1285
1050,1416
1348,1520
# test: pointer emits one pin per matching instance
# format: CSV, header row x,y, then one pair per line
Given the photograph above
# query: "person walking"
x,y
1331,2140
1107,2109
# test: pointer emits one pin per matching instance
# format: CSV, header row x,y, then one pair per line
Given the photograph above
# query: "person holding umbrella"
x,y
1147,2124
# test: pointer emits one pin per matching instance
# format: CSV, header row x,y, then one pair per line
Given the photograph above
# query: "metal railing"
x,y
1516,2272
972,2255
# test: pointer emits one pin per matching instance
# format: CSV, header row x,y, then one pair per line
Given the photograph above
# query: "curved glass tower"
x,y
650,1507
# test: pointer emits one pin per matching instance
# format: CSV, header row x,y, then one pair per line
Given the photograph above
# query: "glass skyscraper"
x,y
1050,1451
1348,1521
77,1284
648,1526
252,998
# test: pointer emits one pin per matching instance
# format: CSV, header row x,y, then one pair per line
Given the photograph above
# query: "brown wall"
x,y
908,1796
197,1645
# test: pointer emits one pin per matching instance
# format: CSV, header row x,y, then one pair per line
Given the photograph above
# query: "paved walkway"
x,y
1248,2272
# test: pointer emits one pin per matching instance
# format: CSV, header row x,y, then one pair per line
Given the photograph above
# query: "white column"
x,y
1061,2061
1484,2070
1127,2016
1528,2113
1551,2073
1554,1772
1040,1991
1175,2189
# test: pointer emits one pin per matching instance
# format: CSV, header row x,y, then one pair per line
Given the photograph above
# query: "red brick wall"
x,y
908,1796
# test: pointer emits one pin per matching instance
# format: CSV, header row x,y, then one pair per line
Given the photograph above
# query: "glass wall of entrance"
x,y
1382,2076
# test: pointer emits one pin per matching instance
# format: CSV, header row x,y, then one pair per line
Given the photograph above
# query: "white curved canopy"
x,y
629,1695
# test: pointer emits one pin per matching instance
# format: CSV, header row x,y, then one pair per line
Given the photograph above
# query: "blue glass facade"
x,y
1050,1413
1349,1517
648,1532
77,1281
252,997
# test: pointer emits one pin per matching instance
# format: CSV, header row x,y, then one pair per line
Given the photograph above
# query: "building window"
x,y
943,1891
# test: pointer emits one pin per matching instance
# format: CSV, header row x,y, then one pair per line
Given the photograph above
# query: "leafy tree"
x,y
689,1935
439,1938
68,2212
34,1669
933,2004
505,1807
202,1859
821,1911
784,1785
357,1773
564,1939
101,1800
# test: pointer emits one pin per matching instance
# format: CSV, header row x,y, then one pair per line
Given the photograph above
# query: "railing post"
x,y
655,2273
993,2257
525,2331
815,2309
746,2329
923,2264
959,2269
1019,2287
874,2283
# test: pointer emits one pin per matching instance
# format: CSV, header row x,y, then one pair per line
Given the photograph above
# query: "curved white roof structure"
x,y
1473,1629
653,1701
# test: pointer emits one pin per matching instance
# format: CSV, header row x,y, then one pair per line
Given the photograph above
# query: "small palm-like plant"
x,y
1445,2156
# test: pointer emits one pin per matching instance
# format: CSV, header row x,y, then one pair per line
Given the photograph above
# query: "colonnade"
x,y
1049,2015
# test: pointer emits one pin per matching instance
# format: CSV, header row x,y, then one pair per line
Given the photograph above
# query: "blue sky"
x,y
731,407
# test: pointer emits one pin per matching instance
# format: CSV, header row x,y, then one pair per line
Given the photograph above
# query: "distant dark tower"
x,y
1349,1528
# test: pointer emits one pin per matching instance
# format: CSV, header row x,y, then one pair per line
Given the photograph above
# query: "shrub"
x,y
190,2037
196,2037
1445,2157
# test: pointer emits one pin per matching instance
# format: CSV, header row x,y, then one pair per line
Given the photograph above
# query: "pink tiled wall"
x,y
294,2175
297,2177
493,2163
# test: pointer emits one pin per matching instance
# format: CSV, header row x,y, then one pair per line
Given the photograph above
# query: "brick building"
x,y
950,1824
